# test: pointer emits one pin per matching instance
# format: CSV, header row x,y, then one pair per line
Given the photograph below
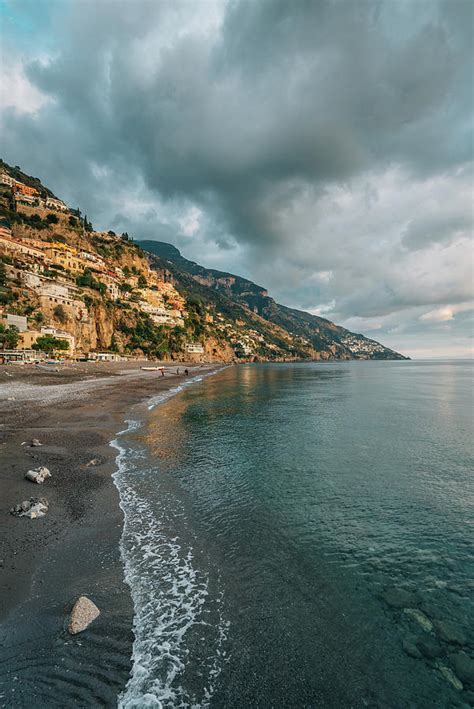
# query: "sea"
x,y
301,535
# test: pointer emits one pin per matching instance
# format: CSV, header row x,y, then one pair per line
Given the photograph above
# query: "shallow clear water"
x,y
296,533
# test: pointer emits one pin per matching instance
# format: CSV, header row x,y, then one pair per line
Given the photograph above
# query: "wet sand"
x,y
46,563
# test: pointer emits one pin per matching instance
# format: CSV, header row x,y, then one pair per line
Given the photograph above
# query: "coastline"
x,y
76,412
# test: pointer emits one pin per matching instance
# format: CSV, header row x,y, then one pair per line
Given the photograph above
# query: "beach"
x,y
75,411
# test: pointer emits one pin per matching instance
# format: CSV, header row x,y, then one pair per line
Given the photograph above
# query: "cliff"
x,y
103,291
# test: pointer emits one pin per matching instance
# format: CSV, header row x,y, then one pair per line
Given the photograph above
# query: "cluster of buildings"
x,y
50,271
24,194
27,338
361,347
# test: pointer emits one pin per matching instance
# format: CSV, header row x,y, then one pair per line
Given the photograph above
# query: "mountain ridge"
x,y
103,292
319,331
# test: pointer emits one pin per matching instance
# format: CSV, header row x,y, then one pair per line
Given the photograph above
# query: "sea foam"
x,y
175,614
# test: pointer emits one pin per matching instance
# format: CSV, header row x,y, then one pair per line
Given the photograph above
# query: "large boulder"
x,y
38,475
399,598
82,615
450,632
463,666
33,508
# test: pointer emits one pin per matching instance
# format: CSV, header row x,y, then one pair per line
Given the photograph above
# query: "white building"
x,y
61,334
6,179
18,321
58,204
26,199
194,348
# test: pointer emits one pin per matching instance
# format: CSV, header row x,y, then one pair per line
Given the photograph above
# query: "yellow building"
x,y
17,247
65,256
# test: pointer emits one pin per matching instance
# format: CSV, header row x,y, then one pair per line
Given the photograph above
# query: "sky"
x,y
321,148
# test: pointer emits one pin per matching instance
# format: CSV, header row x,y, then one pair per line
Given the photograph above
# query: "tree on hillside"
x,y
49,343
60,313
52,218
72,221
3,275
9,337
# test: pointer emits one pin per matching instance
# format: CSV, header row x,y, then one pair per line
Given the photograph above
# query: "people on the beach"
x,y
186,372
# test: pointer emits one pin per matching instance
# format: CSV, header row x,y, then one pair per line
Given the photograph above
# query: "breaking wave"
x,y
179,627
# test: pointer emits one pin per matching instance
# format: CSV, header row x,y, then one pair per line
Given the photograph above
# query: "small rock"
x,y
420,618
411,649
82,615
11,398
33,508
91,463
35,442
399,598
450,632
450,677
429,647
463,666
38,476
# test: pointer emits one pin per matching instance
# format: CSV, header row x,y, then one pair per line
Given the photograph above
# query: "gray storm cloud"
x,y
313,137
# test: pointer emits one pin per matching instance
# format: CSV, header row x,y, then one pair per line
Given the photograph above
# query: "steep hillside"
x,y
66,287
320,333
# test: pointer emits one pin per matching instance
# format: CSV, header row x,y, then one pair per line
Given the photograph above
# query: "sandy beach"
x,y
75,411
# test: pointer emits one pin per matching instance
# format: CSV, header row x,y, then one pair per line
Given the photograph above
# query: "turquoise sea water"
x,y
301,535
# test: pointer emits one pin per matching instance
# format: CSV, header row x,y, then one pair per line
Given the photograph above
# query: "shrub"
x,y
52,218
49,343
9,337
60,314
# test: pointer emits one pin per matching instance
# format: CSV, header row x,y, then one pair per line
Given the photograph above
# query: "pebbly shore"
x,y
74,411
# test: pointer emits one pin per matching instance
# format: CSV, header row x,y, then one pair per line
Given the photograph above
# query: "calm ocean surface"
x,y
302,536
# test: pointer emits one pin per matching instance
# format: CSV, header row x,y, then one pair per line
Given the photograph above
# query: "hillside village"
x,y
69,291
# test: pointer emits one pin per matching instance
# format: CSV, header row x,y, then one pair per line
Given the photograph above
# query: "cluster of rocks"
x,y
442,641
38,475
84,611
33,508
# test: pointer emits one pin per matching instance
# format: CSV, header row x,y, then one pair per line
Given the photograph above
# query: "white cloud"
x,y
16,90
446,312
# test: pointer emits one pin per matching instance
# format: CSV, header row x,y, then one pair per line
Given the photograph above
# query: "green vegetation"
x,y
144,335
87,225
6,295
49,343
9,337
87,280
52,218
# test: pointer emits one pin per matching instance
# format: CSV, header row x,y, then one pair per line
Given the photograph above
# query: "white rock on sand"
x,y
33,508
82,615
38,475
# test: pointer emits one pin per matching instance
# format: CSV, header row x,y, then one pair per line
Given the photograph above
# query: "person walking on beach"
x,y
186,372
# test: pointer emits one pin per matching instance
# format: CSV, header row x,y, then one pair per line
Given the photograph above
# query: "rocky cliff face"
x,y
312,337
135,298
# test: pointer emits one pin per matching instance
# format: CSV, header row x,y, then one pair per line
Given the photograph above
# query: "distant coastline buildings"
x,y
25,194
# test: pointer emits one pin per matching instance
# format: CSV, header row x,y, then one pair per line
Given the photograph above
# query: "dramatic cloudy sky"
x,y
322,148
